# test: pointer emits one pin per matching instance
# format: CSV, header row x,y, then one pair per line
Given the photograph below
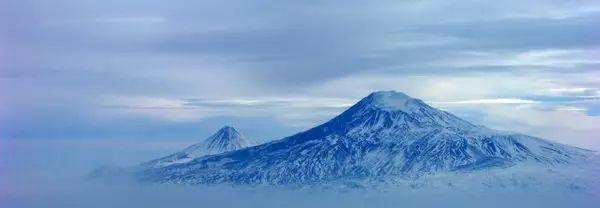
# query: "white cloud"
x,y
490,101
152,107
132,20
294,111
533,58
557,13
570,126
143,102
580,92
569,108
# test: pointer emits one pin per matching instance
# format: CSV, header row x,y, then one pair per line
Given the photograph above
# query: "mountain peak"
x,y
386,134
226,139
393,100
395,110
228,131
389,93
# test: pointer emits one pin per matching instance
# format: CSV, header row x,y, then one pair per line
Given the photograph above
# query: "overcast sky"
x,y
156,69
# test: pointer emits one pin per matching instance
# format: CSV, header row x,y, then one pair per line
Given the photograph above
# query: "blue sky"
x,y
159,70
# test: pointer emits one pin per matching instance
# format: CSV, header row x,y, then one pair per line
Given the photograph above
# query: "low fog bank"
x,y
53,175
80,193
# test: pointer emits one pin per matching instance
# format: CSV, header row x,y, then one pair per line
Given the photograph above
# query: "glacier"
x,y
387,136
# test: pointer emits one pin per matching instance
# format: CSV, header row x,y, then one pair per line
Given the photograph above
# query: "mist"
x,y
54,174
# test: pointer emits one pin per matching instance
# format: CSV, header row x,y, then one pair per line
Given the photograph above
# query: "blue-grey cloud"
x,y
61,62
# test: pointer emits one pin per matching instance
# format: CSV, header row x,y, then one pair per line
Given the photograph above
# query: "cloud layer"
x,y
152,69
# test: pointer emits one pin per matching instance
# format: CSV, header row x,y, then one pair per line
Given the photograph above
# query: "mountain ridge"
x,y
386,134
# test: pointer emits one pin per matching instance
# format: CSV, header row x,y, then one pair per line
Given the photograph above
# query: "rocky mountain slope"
x,y
224,140
385,135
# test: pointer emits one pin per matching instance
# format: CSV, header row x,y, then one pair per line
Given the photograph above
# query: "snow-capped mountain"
x,y
385,135
224,140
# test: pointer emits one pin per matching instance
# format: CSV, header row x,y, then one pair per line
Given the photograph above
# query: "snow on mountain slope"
x,y
225,140
385,135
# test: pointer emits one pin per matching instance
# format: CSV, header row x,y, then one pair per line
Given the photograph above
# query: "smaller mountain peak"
x,y
227,138
227,132
228,128
393,100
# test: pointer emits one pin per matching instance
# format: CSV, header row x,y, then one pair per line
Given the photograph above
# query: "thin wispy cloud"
x,y
131,20
491,101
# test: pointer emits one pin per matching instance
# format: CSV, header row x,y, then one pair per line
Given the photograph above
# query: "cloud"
x,y
570,126
51,174
491,101
569,108
152,66
293,111
132,20
545,58
582,92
